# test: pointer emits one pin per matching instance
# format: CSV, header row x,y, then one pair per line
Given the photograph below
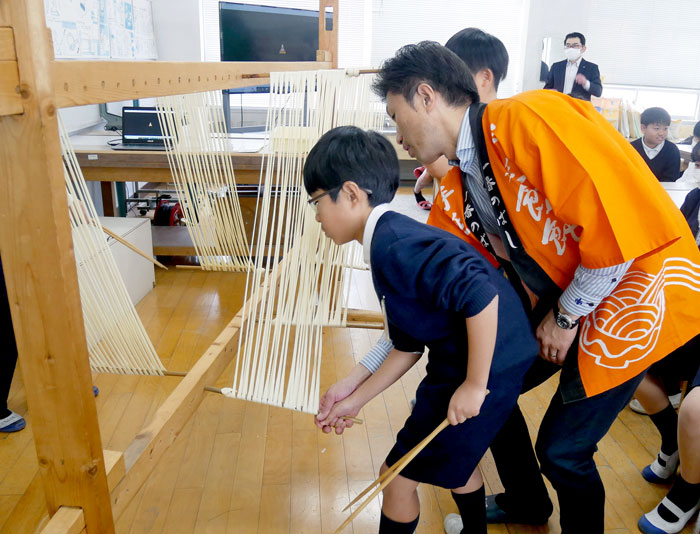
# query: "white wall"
x,y
552,19
176,24
80,117
399,22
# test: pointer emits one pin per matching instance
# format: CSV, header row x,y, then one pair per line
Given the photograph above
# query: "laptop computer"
x,y
141,130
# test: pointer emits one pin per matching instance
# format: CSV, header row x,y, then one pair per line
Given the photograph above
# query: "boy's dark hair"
x,y
655,116
431,63
351,154
573,35
480,50
696,129
695,153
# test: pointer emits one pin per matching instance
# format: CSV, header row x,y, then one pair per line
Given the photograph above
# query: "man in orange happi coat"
x,y
564,197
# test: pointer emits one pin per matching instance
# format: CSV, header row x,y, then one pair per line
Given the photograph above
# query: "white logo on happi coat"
x,y
445,194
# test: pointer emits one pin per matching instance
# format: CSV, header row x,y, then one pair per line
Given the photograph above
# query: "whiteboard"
x,y
101,29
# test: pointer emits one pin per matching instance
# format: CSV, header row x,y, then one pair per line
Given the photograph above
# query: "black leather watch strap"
x,y
563,319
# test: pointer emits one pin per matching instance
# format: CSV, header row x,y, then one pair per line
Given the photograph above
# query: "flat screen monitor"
x,y
262,33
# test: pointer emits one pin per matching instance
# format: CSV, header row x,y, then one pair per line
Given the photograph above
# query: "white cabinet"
x,y
137,272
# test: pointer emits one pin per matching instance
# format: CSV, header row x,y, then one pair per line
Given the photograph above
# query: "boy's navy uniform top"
x,y
666,166
431,281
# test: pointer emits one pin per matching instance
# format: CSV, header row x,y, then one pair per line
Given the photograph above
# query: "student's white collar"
x,y
654,150
370,225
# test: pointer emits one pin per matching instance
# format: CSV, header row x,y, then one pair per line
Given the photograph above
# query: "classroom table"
x,y
685,152
101,163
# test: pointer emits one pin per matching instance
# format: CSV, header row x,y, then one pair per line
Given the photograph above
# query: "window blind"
x,y
646,42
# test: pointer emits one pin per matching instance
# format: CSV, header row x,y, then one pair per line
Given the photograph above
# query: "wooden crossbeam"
x,y
364,319
68,520
77,83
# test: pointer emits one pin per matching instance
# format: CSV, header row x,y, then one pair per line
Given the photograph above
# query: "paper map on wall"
x,y
100,29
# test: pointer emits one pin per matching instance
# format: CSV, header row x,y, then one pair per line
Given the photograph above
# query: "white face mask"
x,y
695,174
572,54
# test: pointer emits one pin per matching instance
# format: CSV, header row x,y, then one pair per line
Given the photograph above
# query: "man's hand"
x,y
465,403
554,341
581,79
333,418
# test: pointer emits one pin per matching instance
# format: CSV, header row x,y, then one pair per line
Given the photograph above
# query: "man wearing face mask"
x,y
575,76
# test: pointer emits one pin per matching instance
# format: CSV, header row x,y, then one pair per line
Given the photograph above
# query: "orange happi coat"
x,y
578,193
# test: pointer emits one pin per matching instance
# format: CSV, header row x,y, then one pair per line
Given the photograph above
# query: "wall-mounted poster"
x,y
100,29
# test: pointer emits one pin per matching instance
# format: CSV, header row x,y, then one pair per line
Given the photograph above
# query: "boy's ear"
x,y
484,78
352,190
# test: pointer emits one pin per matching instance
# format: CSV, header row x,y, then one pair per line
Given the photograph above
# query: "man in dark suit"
x,y
575,76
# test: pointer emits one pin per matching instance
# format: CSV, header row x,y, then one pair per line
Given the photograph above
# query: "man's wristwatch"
x,y
563,320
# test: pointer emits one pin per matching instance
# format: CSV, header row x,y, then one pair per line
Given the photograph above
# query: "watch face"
x,y
563,321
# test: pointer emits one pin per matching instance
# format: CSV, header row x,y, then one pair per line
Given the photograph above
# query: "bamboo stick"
x,y
392,474
132,247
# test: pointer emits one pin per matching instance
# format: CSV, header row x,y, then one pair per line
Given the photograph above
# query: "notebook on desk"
x,y
140,130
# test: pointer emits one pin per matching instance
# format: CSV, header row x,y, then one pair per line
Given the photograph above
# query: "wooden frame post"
x,y
40,273
328,40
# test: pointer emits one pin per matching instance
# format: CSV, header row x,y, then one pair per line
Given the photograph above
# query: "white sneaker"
x,y
637,407
662,468
653,523
453,524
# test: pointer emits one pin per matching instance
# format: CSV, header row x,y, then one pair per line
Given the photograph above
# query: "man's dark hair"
x,y
656,116
431,63
573,35
480,50
696,129
695,153
351,154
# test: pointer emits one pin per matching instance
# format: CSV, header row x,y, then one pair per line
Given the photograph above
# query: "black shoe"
x,y
495,514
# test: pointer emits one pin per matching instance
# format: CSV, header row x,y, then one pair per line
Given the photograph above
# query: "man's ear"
x,y
426,96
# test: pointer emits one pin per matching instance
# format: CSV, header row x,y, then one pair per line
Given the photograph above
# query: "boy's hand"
x,y
345,407
465,403
336,393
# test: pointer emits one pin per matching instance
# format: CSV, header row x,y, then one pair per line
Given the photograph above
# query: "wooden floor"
x,y
246,468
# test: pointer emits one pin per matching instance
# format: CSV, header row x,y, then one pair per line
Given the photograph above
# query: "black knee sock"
x,y
472,508
666,421
682,494
389,526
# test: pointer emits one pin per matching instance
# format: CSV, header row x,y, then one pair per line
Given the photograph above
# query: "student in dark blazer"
x,y
575,76
663,158
437,292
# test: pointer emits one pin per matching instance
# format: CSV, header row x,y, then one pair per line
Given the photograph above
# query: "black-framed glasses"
x,y
313,201
575,45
